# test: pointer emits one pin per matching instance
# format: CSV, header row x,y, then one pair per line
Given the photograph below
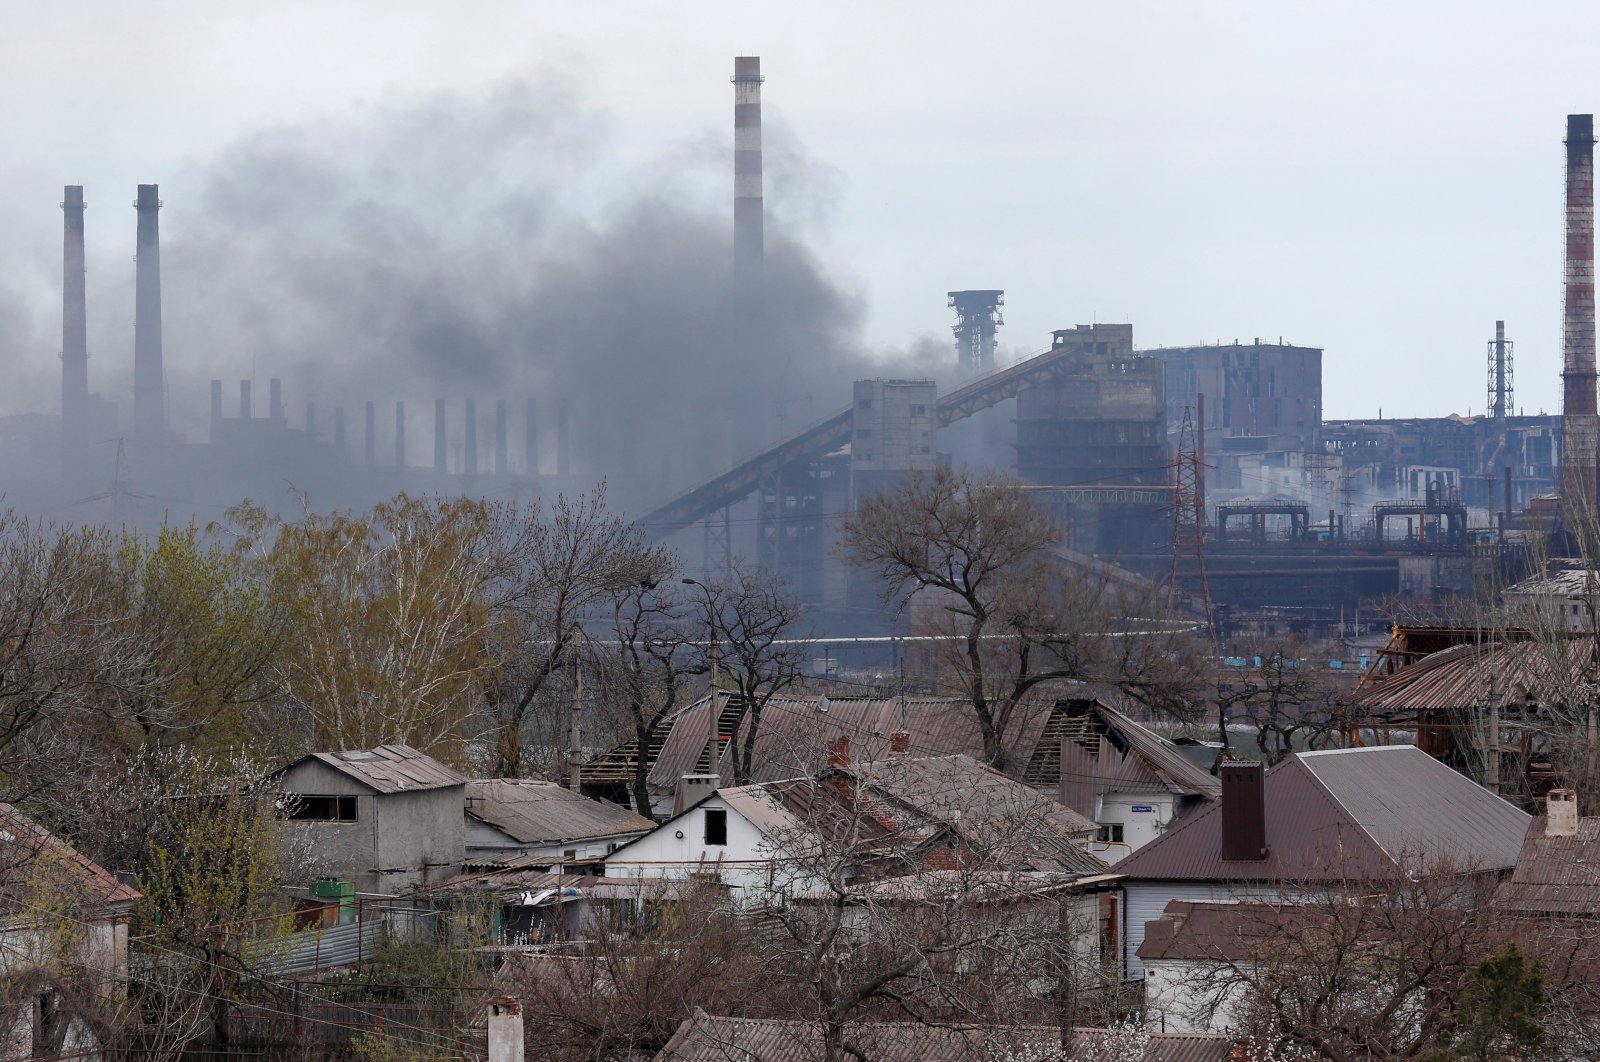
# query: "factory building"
x,y
1266,391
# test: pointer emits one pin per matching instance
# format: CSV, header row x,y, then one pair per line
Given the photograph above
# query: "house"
x,y
1318,818
63,943
707,1038
387,820
797,731
1560,600
859,820
1132,781
526,821
1558,869
1184,948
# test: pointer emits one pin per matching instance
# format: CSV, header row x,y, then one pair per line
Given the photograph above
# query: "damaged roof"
x,y
388,768
531,811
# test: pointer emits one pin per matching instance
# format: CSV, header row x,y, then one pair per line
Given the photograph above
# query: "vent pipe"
x,y
748,209
149,391
74,337
1580,430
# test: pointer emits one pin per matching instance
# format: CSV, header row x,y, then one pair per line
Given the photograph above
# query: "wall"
x,y
1144,901
1263,390
1139,828
750,864
486,842
344,850
1177,1000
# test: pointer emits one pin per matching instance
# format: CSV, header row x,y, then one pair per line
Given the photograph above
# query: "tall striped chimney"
x,y
1579,426
74,338
748,218
149,391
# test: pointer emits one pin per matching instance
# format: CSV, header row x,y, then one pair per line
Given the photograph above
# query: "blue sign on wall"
x,y
1146,808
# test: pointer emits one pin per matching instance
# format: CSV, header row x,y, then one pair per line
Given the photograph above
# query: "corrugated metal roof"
x,y
392,768
1346,813
1555,875
1219,931
1476,675
704,1038
1154,761
796,733
538,812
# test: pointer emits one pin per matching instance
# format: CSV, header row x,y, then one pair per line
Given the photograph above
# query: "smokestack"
x,y
530,442
438,435
244,400
371,440
748,217
1579,428
216,411
1244,810
74,338
149,391
500,447
1501,398
563,441
399,435
275,401
472,438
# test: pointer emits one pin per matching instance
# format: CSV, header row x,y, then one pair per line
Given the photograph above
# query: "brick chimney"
x,y
1244,810
899,742
1561,810
839,751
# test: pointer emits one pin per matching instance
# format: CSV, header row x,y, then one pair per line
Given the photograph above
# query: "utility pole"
x,y
575,735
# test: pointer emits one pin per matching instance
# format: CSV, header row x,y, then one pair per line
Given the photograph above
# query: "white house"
x,y
1190,956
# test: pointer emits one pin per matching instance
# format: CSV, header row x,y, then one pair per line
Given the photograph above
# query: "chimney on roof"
x,y
1561,810
691,789
1244,810
899,742
839,751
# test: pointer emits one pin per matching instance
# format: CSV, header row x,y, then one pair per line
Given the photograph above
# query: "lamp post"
x,y
711,707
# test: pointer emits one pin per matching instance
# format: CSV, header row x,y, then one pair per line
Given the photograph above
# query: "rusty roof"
x,y
390,768
796,732
1555,875
1480,674
530,811
26,847
1347,813
705,1038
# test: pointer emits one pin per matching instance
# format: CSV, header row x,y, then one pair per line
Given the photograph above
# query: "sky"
x,y
1382,180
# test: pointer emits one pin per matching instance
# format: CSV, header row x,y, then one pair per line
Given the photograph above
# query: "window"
x,y
305,807
918,410
716,826
1111,832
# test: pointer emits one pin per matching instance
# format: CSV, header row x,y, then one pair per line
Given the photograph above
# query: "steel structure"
x,y
1501,394
1190,581
1582,432
977,319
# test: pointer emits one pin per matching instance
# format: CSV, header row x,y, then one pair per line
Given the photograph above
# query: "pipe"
x,y
74,337
748,209
1582,433
149,390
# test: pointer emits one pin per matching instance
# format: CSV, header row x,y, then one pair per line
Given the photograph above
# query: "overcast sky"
x,y
1383,179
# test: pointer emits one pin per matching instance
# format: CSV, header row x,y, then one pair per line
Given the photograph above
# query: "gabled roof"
x,y
704,1038
27,848
1347,813
388,768
538,812
1148,760
1555,875
1472,675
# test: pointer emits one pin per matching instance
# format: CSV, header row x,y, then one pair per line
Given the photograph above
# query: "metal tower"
x,y
1500,390
977,319
1189,582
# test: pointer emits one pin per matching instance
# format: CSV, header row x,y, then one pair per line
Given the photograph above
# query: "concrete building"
x,y
1269,391
388,819
1096,435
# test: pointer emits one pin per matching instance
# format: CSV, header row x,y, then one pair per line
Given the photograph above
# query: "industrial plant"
x,y
1295,519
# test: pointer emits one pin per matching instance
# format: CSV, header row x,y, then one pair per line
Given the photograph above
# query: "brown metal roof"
x,y
24,842
1470,675
704,1038
1228,932
1346,813
536,812
1149,760
796,733
392,768
1555,875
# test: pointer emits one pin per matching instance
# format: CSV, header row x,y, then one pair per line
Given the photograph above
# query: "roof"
x,y
1188,930
796,732
1147,760
1007,822
1555,875
704,1038
1347,813
537,812
26,846
1476,675
389,768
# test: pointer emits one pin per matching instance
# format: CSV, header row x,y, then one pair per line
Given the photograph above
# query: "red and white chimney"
x,y
748,209
1579,424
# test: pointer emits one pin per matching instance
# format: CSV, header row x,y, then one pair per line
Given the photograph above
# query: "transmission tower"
x,y
1189,583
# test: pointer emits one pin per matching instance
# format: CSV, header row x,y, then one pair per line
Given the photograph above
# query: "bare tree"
x,y
1289,706
1012,615
749,622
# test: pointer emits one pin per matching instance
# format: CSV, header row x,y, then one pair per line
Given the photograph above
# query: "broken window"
x,y
306,807
716,826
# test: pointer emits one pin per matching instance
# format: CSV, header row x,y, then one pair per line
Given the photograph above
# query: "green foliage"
x,y
1501,1012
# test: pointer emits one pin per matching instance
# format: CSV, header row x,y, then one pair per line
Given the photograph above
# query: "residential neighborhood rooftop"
x,y
390,768
533,811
